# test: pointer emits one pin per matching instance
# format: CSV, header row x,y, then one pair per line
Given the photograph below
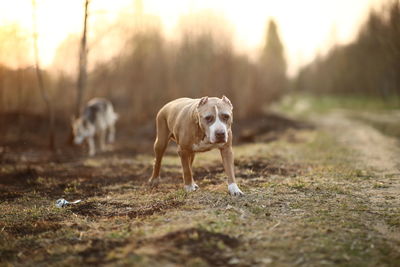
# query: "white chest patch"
x,y
205,146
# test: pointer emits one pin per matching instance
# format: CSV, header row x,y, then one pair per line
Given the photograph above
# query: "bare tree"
x,y
82,75
39,75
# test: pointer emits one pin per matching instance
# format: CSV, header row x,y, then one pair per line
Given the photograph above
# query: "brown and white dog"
x,y
196,125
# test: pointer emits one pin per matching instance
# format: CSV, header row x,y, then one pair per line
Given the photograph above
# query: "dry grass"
x,y
307,202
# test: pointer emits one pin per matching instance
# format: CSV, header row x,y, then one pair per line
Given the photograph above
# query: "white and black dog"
x,y
98,118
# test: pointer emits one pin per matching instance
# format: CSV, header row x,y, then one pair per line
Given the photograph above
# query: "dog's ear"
x,y
203,101
226,100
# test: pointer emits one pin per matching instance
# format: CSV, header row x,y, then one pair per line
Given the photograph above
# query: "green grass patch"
x,y
306,104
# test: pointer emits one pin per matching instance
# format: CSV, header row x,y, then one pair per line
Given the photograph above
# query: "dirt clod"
x,y
195,242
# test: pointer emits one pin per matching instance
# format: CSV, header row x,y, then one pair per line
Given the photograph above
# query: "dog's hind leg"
x,y
92,148
102,139
111,134
160,145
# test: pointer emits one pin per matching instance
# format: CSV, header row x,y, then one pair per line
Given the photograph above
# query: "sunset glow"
x,y
307,27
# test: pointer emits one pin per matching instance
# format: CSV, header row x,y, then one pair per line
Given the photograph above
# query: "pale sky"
x,y
307,27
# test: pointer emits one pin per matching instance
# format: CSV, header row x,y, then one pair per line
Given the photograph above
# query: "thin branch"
x,y
40,79
82,75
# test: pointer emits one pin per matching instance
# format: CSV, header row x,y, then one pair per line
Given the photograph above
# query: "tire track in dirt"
x,y
375,151
380,152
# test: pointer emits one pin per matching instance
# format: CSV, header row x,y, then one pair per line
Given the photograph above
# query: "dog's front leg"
x,y
92,149
227,161
186,159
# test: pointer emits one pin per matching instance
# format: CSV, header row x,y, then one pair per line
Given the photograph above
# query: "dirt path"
x,y
376,151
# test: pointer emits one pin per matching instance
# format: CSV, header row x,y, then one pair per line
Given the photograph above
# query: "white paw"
x,y
154,181
234,190
191,188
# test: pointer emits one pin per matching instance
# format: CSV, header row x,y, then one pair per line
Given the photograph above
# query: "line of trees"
x,y
368,66
150,70
201,63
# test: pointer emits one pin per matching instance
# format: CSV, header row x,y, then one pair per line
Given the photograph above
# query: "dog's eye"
x,y
209,118
225,117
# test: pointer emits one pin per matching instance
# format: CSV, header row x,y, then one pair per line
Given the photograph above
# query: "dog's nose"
x,y
220,135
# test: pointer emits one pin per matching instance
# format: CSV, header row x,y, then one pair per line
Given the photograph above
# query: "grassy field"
x,y
321,195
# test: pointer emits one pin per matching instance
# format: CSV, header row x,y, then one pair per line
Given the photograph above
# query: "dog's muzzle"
x,y
220,137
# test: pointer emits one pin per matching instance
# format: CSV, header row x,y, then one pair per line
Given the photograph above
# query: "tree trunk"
x,y
39,75
82,75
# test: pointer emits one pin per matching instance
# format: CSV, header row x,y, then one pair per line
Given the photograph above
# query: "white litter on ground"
x,y
60,203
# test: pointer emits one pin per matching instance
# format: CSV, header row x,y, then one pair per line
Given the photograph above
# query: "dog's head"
x,y
81,130
215,118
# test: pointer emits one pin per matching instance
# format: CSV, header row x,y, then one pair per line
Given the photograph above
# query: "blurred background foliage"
x,y
134,65
369,66
147,70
